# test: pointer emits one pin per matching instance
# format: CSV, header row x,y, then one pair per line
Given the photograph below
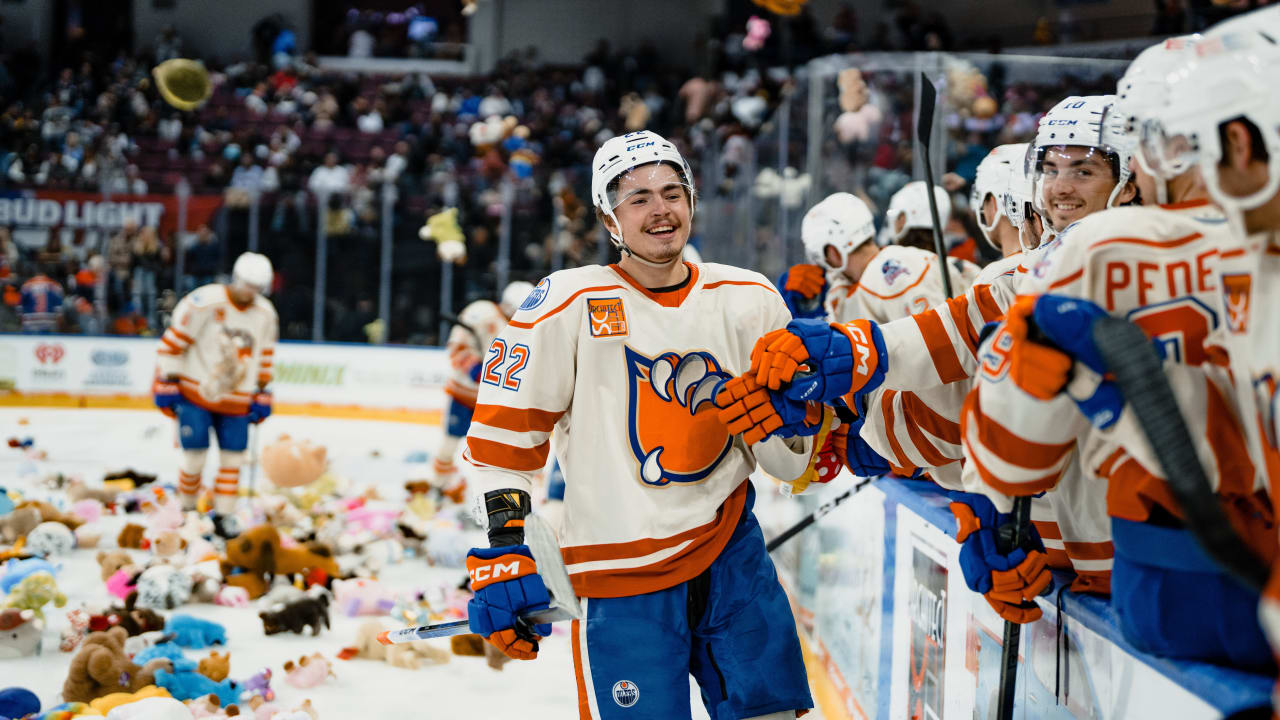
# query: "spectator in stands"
x,y
149,258
247,176
168,44
202,259
331,177
120,262
8,255
56,171
129,182
41,303
368,119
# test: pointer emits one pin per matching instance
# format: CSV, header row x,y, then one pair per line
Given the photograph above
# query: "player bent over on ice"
x,y
212,370
625,362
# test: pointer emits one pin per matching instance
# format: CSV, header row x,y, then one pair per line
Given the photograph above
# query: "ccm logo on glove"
x,y
506,567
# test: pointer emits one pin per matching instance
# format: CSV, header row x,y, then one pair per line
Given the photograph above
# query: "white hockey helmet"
x,y
912,202
513,295
1229,76
840,220
1077,121
1018,202
618,156
253,269
992,179
1145,87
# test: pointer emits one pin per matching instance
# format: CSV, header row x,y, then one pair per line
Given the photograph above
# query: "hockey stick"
x,y
924,129
1139,375
820,512
1009,537
454,320
546,554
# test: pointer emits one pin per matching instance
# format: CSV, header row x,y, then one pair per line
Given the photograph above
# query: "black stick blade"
x,y
928,99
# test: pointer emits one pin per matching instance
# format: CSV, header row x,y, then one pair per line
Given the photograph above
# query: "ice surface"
x,y
91,442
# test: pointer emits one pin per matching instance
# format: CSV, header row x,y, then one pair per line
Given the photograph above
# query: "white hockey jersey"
x,y
1157,267
222,352
654,483
483,320
900,281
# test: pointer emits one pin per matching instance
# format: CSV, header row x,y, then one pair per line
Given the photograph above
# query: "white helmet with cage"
x,y
1018,204
1077,121
992,179
618,156
253,269
1229,76
842,221
513,295
1144,87
912,203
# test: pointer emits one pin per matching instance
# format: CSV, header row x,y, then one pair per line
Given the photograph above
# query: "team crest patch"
x,y
608,317
536,295
220,315
892,270
625,693
674,430
1235,294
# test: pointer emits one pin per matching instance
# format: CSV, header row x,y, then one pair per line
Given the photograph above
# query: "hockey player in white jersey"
x,y
469,339
987,197
623,362
213,368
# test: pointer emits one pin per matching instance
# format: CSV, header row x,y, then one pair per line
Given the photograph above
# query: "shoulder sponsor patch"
x,y
607,316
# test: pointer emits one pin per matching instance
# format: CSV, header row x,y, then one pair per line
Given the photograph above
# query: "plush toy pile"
x,y
142,628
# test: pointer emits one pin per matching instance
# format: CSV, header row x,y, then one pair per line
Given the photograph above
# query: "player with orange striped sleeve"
x,y
1159,267
624,363
478,324
213,366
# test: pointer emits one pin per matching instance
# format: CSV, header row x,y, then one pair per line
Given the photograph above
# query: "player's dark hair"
x,y
917,238
1255,138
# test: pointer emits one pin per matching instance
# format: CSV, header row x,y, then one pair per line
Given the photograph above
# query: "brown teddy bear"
x,y
49,513
255,557
406,655
111,562
216,666
101,668
18,523
293,463
131,536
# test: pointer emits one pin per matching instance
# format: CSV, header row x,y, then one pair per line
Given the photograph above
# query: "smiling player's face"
x,y
653,212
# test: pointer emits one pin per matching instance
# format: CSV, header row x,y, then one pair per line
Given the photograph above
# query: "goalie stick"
x,y
546,554
1139,375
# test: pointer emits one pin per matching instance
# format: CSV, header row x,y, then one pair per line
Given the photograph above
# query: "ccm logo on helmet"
x,y
495,571
1061,122
637,146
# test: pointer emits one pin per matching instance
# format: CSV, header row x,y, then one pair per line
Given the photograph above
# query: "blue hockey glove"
x,y
506,584
260,407
1053,351
804,290
166,395
1009,581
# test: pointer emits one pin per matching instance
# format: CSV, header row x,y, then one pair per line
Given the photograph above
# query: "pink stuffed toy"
x,y
231,596
377,520
758,31
309,671
87,510
362,596
120,583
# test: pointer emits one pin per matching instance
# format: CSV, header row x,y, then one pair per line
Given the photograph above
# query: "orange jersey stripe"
x,y
945,360
516,419
563,305
925,416
510,457
1067,280
718,283
959,310
171,345
1009,446
987,305
684,565
1090,550
185,338
1176,242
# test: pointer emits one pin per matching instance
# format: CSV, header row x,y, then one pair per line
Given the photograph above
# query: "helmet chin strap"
x,y
624,249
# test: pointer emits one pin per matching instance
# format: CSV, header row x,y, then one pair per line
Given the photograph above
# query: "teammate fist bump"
x,y
803,289
1010,581
506,584
836,359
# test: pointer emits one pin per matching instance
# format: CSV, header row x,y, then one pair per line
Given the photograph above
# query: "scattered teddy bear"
x,y
77,490
101,668
308,612
49,513
18,523
50,539
409,655
20,633
194,632
132,535
111,561
215,667
34,592
256,556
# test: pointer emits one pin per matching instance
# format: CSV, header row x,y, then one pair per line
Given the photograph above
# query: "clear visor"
x,y
1072,163
648,184
1166,155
